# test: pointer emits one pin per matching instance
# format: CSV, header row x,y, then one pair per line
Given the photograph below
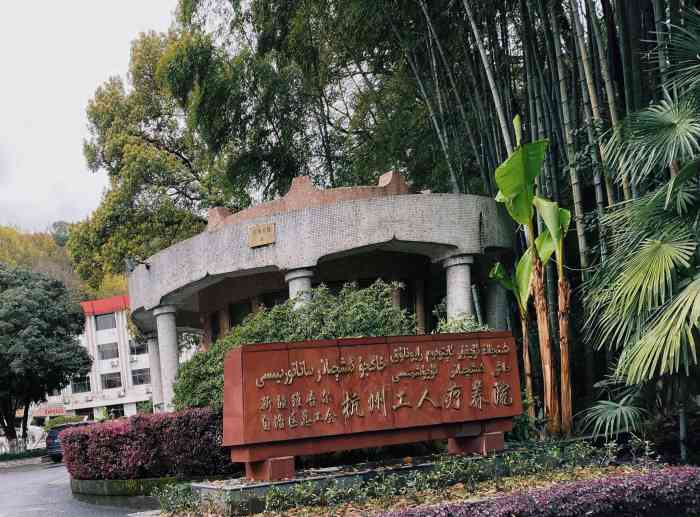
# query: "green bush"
x,y
537,459
461,323
62,419
352,312
177,498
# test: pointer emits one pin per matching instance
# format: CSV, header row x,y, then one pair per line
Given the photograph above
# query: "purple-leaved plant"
x,y
668,492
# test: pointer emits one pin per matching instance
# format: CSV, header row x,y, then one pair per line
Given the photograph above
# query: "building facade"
x,y
120,377
439,246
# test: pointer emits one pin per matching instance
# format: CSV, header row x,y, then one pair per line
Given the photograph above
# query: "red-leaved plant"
x,y
185,444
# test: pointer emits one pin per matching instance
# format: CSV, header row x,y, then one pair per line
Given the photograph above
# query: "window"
x,y
105,321
108,351
81,384
139,377
111,380
136,348
115,411
86,412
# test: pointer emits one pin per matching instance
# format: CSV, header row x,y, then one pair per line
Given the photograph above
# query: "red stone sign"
x,y
287,399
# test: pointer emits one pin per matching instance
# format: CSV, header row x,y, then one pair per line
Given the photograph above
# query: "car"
x,y
53,441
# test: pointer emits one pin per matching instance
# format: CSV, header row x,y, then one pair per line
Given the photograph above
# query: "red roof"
x,y
105,305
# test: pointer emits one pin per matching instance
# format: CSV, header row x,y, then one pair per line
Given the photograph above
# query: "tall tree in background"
x,y
161,179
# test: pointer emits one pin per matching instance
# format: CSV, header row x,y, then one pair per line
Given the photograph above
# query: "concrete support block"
x,y
274,469
483,444
299,282
169,356
459,286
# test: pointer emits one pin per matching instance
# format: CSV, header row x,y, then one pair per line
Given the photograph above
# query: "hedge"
x,y
186,444
665,492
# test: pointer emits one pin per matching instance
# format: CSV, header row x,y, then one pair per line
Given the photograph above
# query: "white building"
x,y
121,374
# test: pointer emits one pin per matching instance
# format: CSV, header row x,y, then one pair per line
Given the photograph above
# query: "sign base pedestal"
x,y
273,469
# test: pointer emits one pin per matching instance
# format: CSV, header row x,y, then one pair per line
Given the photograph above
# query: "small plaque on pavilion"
x,y
261,235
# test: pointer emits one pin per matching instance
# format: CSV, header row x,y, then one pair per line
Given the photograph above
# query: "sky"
x,y
53,55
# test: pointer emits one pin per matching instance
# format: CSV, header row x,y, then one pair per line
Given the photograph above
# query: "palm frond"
x,y
683,51
609,418
649,243
647,280
649,140
669,345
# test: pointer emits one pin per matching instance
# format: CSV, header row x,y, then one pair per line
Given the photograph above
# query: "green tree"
x,y
352,312
39,348
161,177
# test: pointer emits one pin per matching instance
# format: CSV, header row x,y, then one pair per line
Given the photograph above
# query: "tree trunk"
x,y
551,400
567,415
527,365
25,418
498,103
7,421
683,422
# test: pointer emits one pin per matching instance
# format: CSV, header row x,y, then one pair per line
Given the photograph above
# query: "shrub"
x,y
62,419
185,444
670,491
447,471
177,498
352,312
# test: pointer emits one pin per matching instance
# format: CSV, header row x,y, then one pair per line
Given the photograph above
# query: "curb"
x,y
118,487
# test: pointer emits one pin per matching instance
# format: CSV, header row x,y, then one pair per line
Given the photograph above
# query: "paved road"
x,y
44,491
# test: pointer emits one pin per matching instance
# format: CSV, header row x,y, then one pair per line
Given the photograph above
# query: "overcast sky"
x,y
53,55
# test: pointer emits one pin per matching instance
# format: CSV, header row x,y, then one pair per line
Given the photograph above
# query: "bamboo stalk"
x,y
497,101
488,187
570,151
609,89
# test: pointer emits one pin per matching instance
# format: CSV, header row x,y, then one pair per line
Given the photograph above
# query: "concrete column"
x,y
496,307
154,365
419,289
459,286
299,282
167,343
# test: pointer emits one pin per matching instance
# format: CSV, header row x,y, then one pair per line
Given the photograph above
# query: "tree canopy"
x,y
39,348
